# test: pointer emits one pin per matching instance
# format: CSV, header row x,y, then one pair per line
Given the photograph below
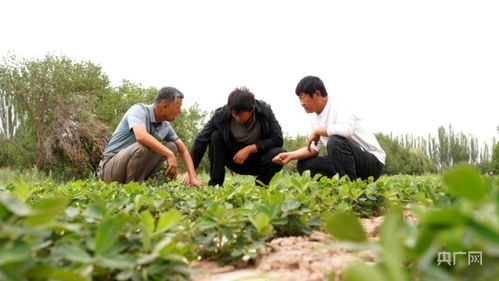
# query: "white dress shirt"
x,y
339,119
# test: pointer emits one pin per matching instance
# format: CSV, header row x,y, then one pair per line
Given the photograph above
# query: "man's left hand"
x,y
241,156
313,138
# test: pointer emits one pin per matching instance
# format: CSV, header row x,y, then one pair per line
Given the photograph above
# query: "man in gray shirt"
x,y
135,150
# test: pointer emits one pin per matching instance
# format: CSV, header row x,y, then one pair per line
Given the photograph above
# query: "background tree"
x,y
111,104
52,97
401,159
495,156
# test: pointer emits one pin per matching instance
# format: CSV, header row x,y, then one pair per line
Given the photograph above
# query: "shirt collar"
x,y
325,111
150,109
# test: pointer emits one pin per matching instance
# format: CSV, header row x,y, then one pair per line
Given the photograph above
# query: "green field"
x,y
88,230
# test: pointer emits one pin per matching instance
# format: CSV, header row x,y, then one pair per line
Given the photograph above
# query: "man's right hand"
x,y
192,181
172,170
282,158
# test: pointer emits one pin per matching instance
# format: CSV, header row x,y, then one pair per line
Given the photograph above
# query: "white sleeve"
x,y
345,122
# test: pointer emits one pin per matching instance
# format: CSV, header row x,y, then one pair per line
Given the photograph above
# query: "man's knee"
x,y
217,143
335,140
273,152
336,144
302,166
139,150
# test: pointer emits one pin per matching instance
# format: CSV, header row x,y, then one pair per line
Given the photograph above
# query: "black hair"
x,y
241,100
310,84
167,94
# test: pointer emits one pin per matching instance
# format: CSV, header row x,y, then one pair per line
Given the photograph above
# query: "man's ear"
x,y
317,93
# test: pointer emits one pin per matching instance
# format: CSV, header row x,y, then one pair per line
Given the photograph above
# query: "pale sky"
x,y
409,66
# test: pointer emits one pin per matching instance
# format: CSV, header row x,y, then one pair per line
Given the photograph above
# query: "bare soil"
x,y
303,258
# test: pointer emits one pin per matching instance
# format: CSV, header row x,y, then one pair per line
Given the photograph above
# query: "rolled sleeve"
x,y
137,116
345,124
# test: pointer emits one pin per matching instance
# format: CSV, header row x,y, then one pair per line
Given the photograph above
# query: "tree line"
x,y
57,115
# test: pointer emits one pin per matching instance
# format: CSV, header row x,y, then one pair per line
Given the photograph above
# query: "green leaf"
x,y
485,231
296,183
10,275
94,211
345,226
275,179
22,191
445,218
46,210
362,272
137,202
107,234
14,205
13,253
148,221
465,182
392,250
168,220
261,223
290,205
66,275
206,224
115,262
424,239
72,253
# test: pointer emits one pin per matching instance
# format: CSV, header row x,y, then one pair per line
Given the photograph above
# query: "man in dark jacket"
x,y
243,135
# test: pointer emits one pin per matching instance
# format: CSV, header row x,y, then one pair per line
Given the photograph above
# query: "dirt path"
x,y
303,258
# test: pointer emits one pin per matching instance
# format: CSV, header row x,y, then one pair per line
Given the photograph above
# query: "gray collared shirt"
x,y
138,115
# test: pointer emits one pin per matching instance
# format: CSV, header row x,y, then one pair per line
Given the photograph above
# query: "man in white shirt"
x,y
352,149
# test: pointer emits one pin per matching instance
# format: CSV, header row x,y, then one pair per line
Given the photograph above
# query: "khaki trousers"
x,y
134,163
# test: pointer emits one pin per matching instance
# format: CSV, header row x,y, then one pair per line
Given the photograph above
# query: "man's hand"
x,y
282,158
241,155
193,181
172,170
313,138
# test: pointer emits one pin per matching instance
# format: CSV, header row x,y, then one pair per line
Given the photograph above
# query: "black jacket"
x,y
271,134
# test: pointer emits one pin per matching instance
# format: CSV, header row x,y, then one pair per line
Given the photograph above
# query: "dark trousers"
x,y
345,157
257,164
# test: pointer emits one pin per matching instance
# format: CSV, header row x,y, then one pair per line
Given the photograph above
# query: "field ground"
x,y
303,258
297,228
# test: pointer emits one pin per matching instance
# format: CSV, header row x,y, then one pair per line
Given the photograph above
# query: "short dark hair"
x,y
310,84
167,94
241,100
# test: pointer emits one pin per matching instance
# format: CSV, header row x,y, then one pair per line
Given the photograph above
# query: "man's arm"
x,y
143,137
275,138
189,166
201,142
299,154
315,136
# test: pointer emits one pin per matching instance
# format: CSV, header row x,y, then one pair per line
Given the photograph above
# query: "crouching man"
x,y
135,150
352,149
244,136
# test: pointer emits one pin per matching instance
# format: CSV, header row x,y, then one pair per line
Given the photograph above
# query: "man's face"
x,y
242,118
307,102
172,110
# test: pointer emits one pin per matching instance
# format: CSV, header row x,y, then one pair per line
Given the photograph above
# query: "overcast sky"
x,y
409,66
